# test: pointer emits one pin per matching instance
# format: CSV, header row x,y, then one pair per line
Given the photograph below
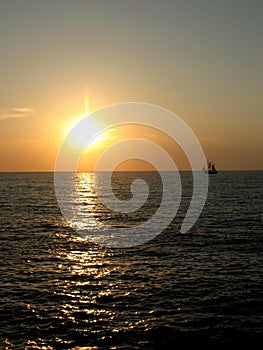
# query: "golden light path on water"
x,y
93,291
91,288
87,202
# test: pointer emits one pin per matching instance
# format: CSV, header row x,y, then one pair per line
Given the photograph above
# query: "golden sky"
x,y
61,60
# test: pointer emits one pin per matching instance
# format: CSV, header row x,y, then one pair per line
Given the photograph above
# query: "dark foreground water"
x,y
58,291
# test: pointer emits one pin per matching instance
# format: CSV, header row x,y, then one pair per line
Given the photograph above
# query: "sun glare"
x,y
80,136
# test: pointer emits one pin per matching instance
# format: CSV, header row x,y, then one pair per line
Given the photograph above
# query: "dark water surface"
x,y
58,291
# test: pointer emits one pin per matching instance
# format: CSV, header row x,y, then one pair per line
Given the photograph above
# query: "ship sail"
x,y
211,167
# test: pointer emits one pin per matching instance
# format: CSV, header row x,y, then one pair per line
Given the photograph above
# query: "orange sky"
x,y
201,60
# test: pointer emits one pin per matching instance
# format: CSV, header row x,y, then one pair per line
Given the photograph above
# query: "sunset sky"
x,y
61,59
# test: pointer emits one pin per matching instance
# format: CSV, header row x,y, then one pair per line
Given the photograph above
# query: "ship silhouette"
x,y
211,168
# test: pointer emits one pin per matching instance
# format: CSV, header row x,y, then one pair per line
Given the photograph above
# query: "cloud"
x,y
213,139
16,112
22,141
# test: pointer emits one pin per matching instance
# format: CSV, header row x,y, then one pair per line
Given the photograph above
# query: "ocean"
x,y
61,291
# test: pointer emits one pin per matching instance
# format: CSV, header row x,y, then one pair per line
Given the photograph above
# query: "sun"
x,y
79,136
87,135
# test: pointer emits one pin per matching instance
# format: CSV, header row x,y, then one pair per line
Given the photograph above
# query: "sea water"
x,y
61,291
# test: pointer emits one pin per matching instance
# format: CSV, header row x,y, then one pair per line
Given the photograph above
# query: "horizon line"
x,y
118,171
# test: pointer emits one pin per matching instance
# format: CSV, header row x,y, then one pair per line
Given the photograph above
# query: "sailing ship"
x,y
211,168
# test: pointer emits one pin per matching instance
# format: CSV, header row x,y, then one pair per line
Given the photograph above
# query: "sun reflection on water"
x,y
94,294
84,290
85,207
88,264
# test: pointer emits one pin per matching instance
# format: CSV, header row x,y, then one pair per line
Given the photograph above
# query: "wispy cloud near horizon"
x,y
16,112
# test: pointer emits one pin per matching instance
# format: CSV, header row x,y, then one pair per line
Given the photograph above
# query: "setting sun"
x,y
84,134
78,137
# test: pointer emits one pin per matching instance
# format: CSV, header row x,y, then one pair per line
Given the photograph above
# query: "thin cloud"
x,y
16,112
213,139
18,141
